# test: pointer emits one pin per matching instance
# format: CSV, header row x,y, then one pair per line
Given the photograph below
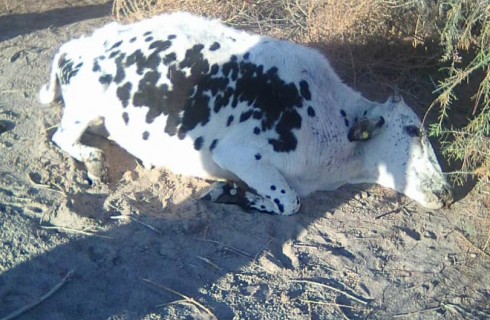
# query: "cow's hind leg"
x,y
267,191
67,138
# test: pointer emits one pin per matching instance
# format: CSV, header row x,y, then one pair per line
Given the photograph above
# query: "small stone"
x,y
5,126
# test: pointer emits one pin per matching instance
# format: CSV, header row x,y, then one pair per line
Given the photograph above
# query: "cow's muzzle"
x,y
445,195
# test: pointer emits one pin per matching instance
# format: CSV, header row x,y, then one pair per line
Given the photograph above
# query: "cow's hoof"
x,y
225,192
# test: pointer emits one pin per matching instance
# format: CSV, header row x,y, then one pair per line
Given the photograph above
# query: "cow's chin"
x,y
432,202
427,199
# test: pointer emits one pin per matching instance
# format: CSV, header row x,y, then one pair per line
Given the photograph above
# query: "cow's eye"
x,y
413,131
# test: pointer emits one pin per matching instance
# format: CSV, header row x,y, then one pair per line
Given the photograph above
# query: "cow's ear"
x,y
365,129
396,97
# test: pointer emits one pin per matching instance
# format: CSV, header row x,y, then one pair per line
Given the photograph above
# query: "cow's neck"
x,y
374,169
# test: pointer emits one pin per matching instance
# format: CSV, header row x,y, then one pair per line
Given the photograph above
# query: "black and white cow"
x,y
269,116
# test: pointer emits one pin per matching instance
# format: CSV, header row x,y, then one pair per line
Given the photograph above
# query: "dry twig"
x,y
410,314
334,289
209,262
331,304
262,250
396,210
72,230
45,186
462,236
40,300
138,221
228,248
465,314
186,299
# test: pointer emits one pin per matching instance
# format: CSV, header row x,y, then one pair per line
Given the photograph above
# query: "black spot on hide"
x,y
280,206
311,112
124,93
68,69
125,117
105,79
213,144
96,67
215,46
120,73
198,143
305,89
169,58
115,45
229,121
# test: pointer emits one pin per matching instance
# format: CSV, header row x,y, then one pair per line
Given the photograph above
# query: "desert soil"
x,y
144,247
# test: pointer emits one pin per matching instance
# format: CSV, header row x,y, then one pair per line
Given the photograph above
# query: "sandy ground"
x,y
143,247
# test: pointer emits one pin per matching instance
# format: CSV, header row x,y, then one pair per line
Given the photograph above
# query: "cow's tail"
x,y
51,91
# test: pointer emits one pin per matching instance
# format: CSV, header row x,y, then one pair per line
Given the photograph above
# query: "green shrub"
x,y
465,37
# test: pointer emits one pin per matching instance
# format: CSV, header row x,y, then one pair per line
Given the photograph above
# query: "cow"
x,y
268,119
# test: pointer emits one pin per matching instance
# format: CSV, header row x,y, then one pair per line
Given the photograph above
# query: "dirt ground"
x,y
143,247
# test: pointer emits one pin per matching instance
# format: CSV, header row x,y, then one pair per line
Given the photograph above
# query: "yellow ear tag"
x,y
365,135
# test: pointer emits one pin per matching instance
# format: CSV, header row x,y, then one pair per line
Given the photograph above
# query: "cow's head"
x,y
398,154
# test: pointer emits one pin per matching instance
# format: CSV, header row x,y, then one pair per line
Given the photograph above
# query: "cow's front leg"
x,y
268,191
232,193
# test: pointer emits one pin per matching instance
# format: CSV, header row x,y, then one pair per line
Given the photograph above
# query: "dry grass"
x,y
274,17
306,20
301,20
40,300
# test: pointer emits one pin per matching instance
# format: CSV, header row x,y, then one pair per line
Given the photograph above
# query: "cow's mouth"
x,y
445,196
